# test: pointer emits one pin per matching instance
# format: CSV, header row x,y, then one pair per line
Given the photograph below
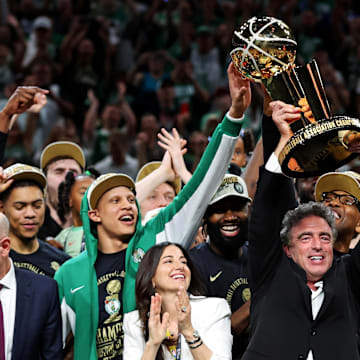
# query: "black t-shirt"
x,y
110,272
226,279
46,260
50,227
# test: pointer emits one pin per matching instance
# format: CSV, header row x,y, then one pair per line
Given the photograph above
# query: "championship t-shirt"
x,y
226,279
46,260
110,272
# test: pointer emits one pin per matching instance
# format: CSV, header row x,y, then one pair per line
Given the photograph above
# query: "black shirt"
x,y
50,227
44,261
226,279
110,272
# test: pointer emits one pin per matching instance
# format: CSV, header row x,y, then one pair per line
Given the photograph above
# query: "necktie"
x,y
2,333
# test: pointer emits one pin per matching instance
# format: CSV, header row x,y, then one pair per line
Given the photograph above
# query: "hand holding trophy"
x,y
264,50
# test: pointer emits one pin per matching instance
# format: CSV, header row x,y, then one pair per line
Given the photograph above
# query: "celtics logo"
x,y
55,265
246,295
238,187
138,255
112,302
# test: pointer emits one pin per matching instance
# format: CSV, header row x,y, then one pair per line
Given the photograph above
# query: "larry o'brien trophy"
x,y
264,50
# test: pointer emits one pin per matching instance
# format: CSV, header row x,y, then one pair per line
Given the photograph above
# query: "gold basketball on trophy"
x,y
264,50
263,47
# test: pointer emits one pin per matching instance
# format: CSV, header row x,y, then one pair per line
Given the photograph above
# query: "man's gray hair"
x,y
293,217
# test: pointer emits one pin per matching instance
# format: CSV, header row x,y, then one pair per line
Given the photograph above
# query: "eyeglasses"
x,y
343,199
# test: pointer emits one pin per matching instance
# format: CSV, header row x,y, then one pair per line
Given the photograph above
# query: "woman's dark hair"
x,y
144,288
65,189
64,195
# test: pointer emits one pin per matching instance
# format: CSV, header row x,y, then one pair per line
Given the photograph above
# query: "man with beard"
x,y
222,261
22,201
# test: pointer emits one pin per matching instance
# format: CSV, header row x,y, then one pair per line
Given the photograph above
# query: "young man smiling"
x,y
98,286
23,202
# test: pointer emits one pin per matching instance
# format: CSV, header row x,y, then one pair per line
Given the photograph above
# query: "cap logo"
x,y
228,181
239,188
18,168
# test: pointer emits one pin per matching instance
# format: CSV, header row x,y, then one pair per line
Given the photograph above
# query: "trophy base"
x,y
319,147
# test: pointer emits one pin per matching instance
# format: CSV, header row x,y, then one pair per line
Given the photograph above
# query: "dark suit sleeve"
x,y
274,196
51,344
271,137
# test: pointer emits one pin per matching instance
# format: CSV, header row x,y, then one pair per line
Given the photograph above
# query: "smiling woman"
x,y
174,320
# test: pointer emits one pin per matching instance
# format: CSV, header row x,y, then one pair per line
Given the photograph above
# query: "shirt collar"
x,y
9,281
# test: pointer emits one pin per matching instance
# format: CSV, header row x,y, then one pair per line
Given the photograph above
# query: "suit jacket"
x,y
37,330
209,316
282,326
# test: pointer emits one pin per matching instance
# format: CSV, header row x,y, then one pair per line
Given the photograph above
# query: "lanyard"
x,y
176,352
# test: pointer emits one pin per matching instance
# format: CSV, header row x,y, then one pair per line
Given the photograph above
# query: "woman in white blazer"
x,y
169,323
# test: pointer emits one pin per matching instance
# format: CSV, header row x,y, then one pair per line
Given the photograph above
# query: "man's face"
x,y
25,209
56,173
347,217
162,196
227,224
311,247
116,214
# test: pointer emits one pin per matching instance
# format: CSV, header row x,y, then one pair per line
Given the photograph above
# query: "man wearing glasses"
x,y
340,191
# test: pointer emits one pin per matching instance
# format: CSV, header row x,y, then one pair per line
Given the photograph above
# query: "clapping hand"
x,y
157,326
183,308
175,146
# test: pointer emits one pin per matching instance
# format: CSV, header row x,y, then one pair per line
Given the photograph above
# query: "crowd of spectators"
x,y
119,70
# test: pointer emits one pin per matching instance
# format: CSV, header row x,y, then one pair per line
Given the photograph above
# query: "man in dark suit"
x,y
30,320
303,303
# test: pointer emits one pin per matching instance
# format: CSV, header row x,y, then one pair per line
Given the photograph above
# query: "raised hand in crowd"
x,y
4,181
174,144
240,92
172,165
25,98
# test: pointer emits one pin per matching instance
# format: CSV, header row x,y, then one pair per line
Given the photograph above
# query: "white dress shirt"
x,y
8,301
317,298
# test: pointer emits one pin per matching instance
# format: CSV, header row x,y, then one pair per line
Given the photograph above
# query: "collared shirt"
x,y
317,298
8,301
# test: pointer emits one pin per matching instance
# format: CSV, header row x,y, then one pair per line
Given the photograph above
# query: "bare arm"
x,y
162,174
240,319
90,117
251,173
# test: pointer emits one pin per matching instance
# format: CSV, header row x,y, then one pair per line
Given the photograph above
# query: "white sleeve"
x,y
273,164
217,335
134,342
68,320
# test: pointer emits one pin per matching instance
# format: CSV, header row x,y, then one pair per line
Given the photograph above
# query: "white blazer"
x,y
209,316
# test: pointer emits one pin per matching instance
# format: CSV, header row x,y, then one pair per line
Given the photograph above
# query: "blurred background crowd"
x,y
119,70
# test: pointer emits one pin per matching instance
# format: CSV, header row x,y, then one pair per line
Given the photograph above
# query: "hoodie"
x,y
177,223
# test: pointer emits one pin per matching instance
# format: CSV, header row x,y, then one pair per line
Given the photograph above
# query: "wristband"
x,y
196,345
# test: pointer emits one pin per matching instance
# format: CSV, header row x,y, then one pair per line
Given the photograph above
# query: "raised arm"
x,y
274,196
149,183
189,206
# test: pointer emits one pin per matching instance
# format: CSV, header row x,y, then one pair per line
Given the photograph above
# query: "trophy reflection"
x,y
264,50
